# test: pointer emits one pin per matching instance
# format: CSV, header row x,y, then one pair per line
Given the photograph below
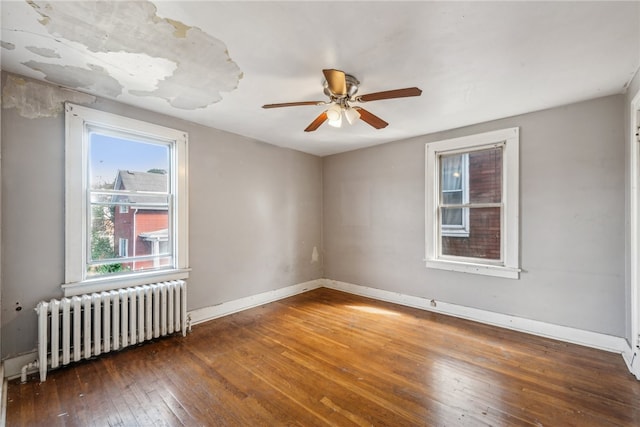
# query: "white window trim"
x,y
77,118
509,266
634,232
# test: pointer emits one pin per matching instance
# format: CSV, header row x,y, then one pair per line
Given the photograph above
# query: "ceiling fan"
x,y
341,88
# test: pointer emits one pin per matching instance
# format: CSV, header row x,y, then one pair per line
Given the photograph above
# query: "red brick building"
x,y
141,225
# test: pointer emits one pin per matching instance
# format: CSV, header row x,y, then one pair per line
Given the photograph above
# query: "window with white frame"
x,y
126,185
472,204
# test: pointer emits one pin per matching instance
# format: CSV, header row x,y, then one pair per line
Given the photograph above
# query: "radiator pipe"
x,y
23,371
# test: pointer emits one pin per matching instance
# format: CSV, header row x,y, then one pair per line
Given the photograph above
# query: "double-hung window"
x,y
472,204
125,202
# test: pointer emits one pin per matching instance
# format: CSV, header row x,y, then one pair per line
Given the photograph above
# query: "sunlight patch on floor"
x,y
373,310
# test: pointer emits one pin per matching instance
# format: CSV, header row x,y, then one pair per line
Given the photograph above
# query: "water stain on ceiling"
x,y
33,99
94,78
190,67
7,45
43,51
475,61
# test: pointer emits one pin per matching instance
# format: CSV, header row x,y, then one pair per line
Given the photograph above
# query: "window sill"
x,y
110,283
483,269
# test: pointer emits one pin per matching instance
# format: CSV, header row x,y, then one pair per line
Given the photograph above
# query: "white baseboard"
x,y
534,327
632,359
213,312
13,366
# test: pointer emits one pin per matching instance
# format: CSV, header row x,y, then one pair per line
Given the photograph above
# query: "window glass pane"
x,y
452,216
110,226
101,236
485,176
483,240
109,154
451,172
452,197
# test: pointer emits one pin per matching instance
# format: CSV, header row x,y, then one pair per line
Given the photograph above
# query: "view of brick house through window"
x,y
470,209
146,227
130,204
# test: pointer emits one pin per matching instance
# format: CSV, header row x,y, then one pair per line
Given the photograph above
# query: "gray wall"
x,y
571,230
257,211
254,217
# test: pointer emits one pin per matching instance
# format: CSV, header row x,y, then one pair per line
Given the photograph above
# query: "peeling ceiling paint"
x,y
43,51
474,61
7,45
93,79
203,67
33,99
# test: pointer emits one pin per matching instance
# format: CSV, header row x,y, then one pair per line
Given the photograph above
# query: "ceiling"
x,y
217,63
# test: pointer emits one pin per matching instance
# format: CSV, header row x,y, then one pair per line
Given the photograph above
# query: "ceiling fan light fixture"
x,y
351,115
341,88
334,112
336,123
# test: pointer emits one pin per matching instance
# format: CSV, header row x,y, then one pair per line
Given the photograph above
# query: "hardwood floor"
x,y
330,358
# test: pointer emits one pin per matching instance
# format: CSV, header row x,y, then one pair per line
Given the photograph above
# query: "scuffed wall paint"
x,y
33,99
43,51
94,78
7,45
203,66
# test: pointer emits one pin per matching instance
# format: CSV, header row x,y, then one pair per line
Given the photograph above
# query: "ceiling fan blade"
x,y
336,80
293,104
372,119
396,93
317,122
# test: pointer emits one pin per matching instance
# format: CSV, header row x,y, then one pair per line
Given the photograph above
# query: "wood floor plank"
x,y
330,358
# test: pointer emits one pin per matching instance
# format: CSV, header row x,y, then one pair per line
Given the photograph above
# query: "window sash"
x,y
95,198
168,206
130,259
487,245
464,229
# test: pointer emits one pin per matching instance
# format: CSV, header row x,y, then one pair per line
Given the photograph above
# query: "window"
x,y
472,204
126,202
123,248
